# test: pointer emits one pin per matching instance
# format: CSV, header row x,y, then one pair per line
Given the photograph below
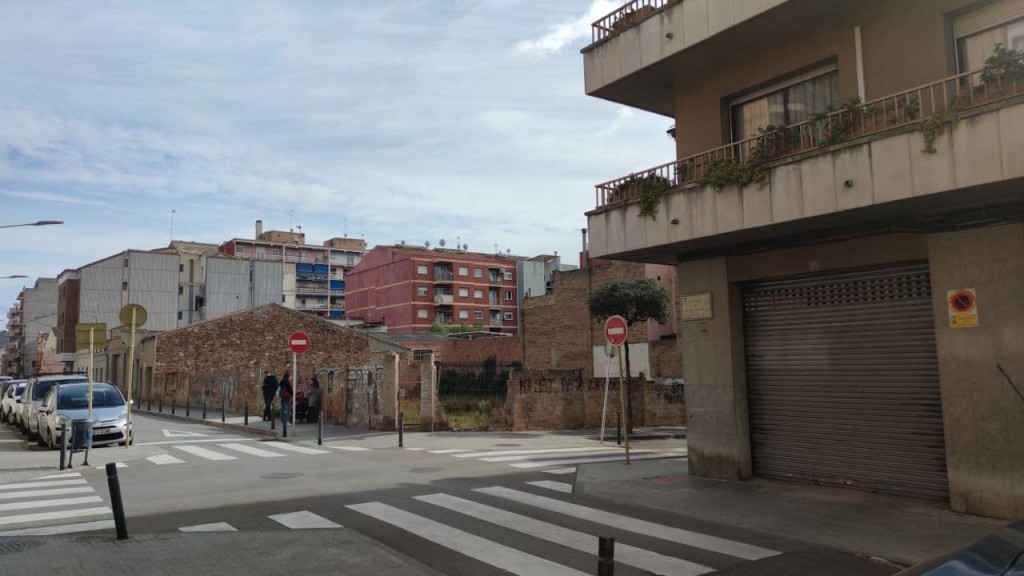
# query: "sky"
x,y
139,121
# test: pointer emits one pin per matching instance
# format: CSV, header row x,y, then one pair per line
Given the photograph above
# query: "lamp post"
x,y
39,223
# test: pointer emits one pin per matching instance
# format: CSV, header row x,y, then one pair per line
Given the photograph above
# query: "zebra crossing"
x,y
50,505
559,460
455,523
227,451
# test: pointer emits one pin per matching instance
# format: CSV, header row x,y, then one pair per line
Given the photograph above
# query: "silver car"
x,y
11,397
69,402
33,397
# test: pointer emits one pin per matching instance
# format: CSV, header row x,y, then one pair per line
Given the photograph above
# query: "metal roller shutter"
x,y
843,380
988,16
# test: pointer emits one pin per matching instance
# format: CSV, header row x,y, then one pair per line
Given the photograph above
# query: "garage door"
x,y
843,380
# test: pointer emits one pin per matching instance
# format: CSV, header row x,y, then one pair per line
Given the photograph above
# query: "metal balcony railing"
x,y
444,299
443,276
627,15
940,101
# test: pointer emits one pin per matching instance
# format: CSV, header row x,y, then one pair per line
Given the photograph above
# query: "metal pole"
x,y
63,443
618,427
91,354
295,383
115,501
605,556
131,373
623,405
607,377
401,427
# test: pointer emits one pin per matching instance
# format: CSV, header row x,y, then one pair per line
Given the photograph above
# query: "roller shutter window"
x,y
978,31
843,384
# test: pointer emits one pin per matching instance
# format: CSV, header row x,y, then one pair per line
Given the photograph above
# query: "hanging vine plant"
x,y
651,189
935,125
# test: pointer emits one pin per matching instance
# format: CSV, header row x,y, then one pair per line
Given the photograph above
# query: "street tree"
x,y
636,300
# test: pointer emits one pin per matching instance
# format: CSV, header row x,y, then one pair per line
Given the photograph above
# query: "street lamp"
x,y
15,276
39,223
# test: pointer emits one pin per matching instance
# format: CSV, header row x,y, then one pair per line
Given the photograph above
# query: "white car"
x,y
69,402
10,401
32,399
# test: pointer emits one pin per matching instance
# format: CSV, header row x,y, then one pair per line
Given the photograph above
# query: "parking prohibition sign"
x,y
298,342
615,330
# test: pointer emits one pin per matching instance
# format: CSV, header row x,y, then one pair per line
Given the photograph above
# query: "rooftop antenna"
x,y
290,214
441,243
173,211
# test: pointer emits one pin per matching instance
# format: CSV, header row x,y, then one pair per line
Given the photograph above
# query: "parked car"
x,y
1001,553
9,401
5,383
69,402
32,399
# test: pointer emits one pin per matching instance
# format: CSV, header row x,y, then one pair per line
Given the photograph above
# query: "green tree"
x,y
636,300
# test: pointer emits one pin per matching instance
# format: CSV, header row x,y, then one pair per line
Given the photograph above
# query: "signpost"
x,y
132,316
85,337
299,343
616,331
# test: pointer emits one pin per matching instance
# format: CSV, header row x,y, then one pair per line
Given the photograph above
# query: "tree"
x,y
636,300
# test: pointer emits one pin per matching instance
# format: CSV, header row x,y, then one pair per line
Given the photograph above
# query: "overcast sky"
x,y
390,121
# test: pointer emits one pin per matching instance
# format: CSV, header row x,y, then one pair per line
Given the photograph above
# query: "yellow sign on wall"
x,y
98,334
963,308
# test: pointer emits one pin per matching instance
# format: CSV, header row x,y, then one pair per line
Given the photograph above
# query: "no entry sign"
x,y
615,330
298,342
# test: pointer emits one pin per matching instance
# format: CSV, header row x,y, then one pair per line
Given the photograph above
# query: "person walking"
x,y
269,391
285,394
313,400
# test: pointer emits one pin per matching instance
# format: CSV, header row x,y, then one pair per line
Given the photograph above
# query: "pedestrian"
x,y
269,391
313,400
285,394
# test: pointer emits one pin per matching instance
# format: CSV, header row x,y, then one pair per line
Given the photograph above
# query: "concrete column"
x,y
428,394
714,368
389,392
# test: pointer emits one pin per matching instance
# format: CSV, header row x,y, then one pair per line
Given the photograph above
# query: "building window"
x,y
421,291
181,267
508,295
785,103
124,286
350,261
479,315
181,289
974,44
508,275
508,316
463,314
240,249
179,314
421,313
463,292
463,271
478,293
421,269
276,251
478,273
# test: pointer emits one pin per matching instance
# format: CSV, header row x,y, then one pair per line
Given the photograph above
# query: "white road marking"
x,y
349,448
541,451
556,486
180,434
677,535
117,465
195,441
539,457
447,451
217,527
568,470
61,529
471,545
52,492
55,515
303,521
24,485
163,459
592,460
51,503
415,449
61,475
252,450
204,453
296,448
650,561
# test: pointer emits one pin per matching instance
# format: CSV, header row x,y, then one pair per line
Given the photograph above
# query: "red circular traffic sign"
x,y
615,330
298,342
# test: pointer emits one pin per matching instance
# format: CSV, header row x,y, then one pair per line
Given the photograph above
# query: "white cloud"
x,y
568,32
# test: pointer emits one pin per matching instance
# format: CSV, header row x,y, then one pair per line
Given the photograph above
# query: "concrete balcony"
x,y
447,299
875,179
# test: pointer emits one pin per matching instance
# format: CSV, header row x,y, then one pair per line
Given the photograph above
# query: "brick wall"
x,y
666,358
504,350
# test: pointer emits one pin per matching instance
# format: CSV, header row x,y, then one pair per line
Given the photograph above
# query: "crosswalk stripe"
x,y
556,486
539,451
303,521
471,545
593,460
61,529
203,452
163,459
116,465
349,448
61,476
216,527
252,450
677,535
569,470
36,493
416,449
38,517
24,485
296,448
51,503
539,457
447,451
643,559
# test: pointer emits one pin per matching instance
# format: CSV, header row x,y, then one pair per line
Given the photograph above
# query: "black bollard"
x,y
284,424
115,501
618,427
319,427
204,407
63,443
247,413
222,407
149,404
605,556
161,404
401,427
271,417
174,404
188,406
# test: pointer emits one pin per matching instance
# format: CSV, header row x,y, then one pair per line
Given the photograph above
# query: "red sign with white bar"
x,y
298,342
615,330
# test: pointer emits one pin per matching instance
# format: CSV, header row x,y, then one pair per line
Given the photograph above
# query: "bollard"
x,y
188,406
222,410
174,404
246,413
605,556
149,404
271,417
284,423
161,404
204,407
618,427
319,427
63,443
401,426
115,501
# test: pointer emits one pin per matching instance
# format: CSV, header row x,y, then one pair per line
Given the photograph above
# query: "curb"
x,y
226,425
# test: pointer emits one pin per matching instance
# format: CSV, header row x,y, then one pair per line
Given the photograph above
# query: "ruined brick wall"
x,y
476,351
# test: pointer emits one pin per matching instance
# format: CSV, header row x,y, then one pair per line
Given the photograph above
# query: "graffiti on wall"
x,y
670,390
362,384
563,382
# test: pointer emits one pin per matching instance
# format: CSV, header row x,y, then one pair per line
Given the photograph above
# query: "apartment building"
x,y
844,212
34,314
12,346
313,277
409,289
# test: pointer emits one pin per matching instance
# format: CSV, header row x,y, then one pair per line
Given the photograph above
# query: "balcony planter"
x,y
627,19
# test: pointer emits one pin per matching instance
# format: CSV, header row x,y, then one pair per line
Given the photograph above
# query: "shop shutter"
x,y
843,381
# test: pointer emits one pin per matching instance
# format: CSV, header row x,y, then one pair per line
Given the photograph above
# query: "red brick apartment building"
x,y
408,289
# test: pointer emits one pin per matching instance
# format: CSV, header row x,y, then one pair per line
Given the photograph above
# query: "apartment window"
x,y
508,275
479,315
124,286
508,295
276,251
508,316
463,292
976,37
350,261
463,314
478,273
463,271
421,291
785,103
181,267
421,313
478,293
240,249
421,269
181,289
179,314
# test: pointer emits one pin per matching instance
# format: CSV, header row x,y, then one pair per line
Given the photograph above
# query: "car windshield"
x,y
41,388
74,397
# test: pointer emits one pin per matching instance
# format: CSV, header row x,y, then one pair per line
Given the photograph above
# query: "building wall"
x,y
68,295
39,316
229,289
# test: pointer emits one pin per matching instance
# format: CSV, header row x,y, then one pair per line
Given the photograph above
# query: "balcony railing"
x,y
939,102
631,13
444,299
443,276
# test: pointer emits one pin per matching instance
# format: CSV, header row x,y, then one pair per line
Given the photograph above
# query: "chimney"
x,y
259,229
584,256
